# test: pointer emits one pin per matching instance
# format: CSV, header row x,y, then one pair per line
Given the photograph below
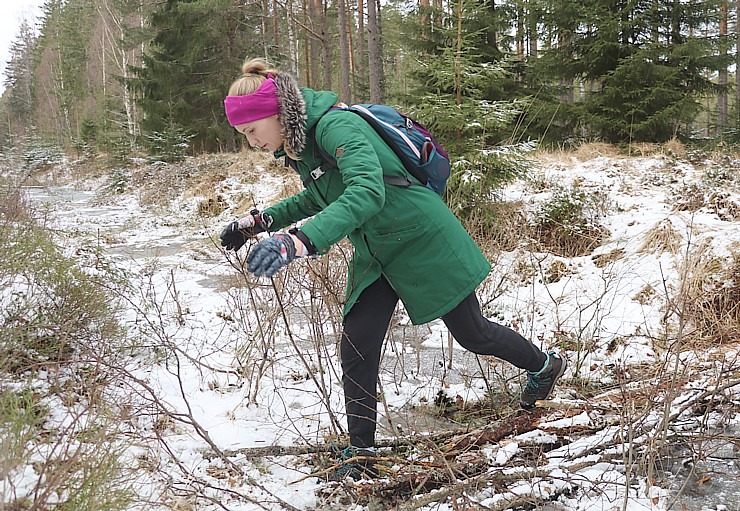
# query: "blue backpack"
x,y
421,155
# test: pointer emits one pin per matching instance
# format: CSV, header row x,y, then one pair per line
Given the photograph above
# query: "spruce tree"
x,y
640,65
196,52
19,80
452,97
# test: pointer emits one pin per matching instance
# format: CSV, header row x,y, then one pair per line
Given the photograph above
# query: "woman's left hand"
x,y
271,254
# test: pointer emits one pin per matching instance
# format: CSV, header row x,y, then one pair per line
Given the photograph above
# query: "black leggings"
x,y
362,340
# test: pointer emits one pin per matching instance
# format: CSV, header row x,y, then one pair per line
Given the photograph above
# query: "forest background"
x,y
102,354
122,77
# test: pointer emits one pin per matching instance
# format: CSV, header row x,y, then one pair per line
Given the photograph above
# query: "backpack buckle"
x,y
317,173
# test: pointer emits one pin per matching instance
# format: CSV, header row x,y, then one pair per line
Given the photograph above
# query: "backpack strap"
x,y
404,182
331,163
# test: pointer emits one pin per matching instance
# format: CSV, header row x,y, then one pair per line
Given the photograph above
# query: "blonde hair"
x,y
254,72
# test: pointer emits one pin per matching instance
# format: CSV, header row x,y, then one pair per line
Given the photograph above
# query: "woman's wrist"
x,y
300,238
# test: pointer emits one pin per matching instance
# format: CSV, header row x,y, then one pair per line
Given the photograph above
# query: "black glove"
x,y
239,231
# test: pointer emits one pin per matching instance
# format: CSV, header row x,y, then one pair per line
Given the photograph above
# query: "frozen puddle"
x,y
706,474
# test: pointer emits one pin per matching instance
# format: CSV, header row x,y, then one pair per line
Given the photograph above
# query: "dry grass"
x,y
689,197
567,243
593,150
13,203
201,176
675,147
643,149
713,297
509,230
602,260
662,238
724,206
582,153
568,223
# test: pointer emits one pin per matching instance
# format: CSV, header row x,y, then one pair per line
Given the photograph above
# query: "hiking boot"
x,y
355,463
540,383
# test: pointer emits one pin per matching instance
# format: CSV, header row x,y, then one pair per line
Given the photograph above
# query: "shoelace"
x,y
532,385
534,381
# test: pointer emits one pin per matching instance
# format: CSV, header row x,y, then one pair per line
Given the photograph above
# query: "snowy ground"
x,y
215,351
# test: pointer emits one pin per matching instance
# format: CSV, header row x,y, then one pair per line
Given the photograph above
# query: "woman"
x,y
407,244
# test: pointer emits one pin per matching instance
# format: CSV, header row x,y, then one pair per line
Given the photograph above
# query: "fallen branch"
x,y
492,434
300,450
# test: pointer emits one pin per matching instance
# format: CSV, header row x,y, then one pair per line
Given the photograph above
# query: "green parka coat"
x,y
407,234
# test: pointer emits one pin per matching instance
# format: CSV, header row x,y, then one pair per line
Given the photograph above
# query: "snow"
x,y
208,368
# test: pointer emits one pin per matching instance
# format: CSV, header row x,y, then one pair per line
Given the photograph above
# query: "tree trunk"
x,y
491,37
458,71
306,44
423,17
361,59
263,21
325,48
722,103
275,31
520,30
122,61
568,95
350,38
374,54
381,51
532,35
344,89
292,39
314,43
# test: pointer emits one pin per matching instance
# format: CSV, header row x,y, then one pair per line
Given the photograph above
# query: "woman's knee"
x,y
482,337
479,344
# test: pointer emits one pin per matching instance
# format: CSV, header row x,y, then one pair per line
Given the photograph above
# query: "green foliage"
x,y
647,97
453,101
568,223
170,145
80,469
196,52
19,73
643,65
473,182
39,154
119,181
57,308
98,484
65,32
88,139
60,320
603,69
21,417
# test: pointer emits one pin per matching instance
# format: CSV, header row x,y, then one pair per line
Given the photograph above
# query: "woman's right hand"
x,y
239,231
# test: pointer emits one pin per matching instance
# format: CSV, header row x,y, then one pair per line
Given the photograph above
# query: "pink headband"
x,y
260,104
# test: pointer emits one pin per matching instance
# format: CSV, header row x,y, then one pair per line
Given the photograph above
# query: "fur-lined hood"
x,y
300,110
